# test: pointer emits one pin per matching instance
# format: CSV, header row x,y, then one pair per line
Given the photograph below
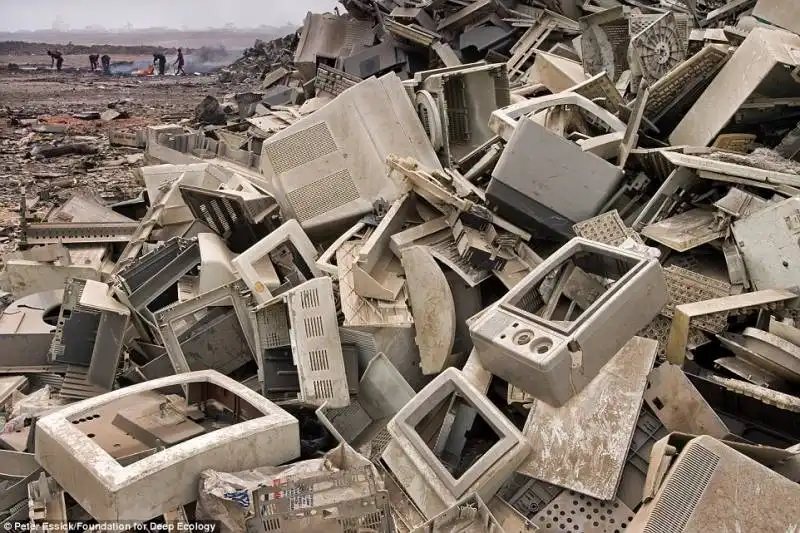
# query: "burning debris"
x,y
427,267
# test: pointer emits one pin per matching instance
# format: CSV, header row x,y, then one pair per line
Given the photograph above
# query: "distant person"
x,y
93,61
179,63
106,62
161,61
56,58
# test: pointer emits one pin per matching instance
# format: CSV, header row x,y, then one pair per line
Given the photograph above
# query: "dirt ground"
x,y
28,98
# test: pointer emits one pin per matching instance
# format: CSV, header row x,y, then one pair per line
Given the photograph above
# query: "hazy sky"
x,y
77,14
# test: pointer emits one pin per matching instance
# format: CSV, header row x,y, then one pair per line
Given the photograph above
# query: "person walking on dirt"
x,y
93,61
106,61
57,58
161,61
179,64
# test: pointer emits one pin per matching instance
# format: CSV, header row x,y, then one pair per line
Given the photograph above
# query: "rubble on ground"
x,y
429,266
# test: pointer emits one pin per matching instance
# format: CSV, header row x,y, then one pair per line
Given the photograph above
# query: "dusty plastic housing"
x,y
554,360
712,488
264,435
257,269
419,469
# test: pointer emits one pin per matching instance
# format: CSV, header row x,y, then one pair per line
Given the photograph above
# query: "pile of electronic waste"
x,y
473,266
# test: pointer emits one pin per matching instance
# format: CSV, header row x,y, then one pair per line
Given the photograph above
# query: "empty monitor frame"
x,y
286,254
303,322
712,488
168,441
90,329
554,360
455,105
449,441
328,168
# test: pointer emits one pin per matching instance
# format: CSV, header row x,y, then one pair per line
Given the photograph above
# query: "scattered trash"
x,y
426,267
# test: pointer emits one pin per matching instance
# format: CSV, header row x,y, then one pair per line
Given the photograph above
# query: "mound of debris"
x,y
467,266
258,60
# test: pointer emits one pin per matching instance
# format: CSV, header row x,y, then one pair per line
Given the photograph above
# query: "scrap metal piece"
x,y
305,316
257,267
261,433
679,405
687,230
80,232
704,490
679,331
685,287
432,307
582,445
560,359
418,454
763,56
607,228
658,48
767,241
345,495
581,513
470,515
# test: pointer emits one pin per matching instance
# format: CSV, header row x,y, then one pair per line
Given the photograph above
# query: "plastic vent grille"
x,y
659,48
379,443
607,228
273,327
683,490
572,512
349,421
528,495
455,94
326,194
685,286
300,148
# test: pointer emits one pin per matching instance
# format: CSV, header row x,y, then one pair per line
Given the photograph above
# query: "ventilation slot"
x,y
323,388
314,326
326,194
300,148
319,360
683,490
309,298
272,524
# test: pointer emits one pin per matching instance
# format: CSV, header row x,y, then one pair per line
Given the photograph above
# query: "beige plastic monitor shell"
x,y
316,345
256,267
571,355
483,89
713,488
158,177
421,472
755,66
166,479
328,168
504,121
